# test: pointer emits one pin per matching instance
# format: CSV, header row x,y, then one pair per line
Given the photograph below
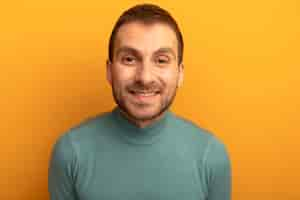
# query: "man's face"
x,y
144,72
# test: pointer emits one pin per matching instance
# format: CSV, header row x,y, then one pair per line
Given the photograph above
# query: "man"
x,y
141,150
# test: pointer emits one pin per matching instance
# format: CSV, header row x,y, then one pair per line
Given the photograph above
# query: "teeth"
x,y
141,93
145,94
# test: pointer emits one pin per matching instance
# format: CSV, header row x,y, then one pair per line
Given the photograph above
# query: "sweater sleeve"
x,y
61,170
218,171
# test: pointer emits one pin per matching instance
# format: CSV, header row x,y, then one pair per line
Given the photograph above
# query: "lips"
x,y
144,95
143,92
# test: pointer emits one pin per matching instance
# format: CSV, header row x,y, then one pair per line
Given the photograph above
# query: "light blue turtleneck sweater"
x,y
109,158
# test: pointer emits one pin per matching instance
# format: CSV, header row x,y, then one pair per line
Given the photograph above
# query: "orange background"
x,y
242,81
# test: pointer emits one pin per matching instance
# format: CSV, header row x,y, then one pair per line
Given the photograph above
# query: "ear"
x,y
108,71
181,75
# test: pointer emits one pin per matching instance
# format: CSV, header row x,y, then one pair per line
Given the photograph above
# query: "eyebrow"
x,y
136,52
127,49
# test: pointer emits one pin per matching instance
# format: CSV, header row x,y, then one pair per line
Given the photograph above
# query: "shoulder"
x,y
88,129
204,140
82,135
89,125
188,128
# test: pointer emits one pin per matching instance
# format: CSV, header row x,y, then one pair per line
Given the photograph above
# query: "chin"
x,y
144,113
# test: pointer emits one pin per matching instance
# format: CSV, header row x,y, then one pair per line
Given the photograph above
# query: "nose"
x,y
144,73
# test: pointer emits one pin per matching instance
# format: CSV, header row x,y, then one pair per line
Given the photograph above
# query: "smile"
x,y
144,94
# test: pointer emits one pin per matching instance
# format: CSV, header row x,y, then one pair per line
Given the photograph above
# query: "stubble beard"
x,y
122,105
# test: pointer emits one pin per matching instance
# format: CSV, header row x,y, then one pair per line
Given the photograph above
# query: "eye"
x,y
128,60
162,60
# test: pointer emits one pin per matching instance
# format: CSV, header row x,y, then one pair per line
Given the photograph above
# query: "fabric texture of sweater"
x,y
109,158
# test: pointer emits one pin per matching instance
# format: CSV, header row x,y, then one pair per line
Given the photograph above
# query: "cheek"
x,y
124,70
170,80
121,79
121,76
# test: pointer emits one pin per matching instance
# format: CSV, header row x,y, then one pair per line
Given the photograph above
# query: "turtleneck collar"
x,y
138,135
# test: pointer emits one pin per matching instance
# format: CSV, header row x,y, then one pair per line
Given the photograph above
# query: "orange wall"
x,y
242,81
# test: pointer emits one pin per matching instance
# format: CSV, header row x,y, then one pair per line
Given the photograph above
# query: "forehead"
x,y
146,37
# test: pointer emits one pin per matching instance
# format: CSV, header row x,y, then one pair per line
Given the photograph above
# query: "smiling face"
x,y
144,72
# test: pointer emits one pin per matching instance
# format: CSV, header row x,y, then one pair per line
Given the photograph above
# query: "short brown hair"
x,y
146,13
